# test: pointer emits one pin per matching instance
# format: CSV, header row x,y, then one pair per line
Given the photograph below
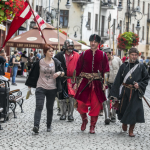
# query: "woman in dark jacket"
x,y
45,77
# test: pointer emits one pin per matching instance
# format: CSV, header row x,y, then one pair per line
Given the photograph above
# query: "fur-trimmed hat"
x,y
133,50
95,37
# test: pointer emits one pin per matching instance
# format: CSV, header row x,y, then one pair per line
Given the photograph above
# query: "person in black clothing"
x,y
3,60
45,77
23,61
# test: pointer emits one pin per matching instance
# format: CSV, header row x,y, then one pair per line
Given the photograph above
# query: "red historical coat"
x,y
84,64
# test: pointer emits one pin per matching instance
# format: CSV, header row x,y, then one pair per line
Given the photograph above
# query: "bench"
x,y
15,97
1,109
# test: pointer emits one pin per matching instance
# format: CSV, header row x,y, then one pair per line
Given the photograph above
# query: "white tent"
x,y
84,47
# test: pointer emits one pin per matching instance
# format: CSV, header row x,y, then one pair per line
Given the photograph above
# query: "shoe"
x,y
124,127
63,117
49,129
107,121
93,123
113,119
59,112
36,129
131,130
70,118
84,121
101,113
14,84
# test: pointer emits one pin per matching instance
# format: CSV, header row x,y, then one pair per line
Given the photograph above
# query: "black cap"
x,y
95,37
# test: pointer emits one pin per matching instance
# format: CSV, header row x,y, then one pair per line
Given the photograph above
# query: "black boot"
x,y
49,129
36,129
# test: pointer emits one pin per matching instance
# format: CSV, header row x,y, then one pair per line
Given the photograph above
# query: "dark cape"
x,y
130,112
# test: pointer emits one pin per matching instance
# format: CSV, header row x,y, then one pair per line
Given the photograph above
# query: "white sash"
x,y
127,76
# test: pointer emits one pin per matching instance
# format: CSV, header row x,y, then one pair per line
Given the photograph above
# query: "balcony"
x,y
82,1
108,4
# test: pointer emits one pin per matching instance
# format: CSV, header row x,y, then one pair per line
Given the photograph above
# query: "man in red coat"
x,y
68,59
91,94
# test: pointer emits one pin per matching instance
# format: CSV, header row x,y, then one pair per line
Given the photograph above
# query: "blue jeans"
x,y
15,69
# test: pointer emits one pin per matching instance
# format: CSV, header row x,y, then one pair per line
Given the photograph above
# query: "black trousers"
x,y
22,67
40,97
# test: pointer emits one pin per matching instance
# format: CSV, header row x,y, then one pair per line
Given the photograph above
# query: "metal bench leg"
x,y
13,109
20,104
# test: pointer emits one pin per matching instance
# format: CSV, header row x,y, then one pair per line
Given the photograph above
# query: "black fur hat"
x,y
95,37
133,50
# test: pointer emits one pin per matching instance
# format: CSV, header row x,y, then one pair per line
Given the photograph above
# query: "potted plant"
x,y
82,42
10,8
127,40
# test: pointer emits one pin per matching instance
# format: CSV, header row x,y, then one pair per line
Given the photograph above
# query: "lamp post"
x,y
131,13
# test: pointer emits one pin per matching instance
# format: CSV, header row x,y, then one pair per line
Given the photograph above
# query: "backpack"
x,y
10,64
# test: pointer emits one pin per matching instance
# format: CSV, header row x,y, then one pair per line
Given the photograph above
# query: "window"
x,y
64,17
143,7
148,11
114,26
147,34
127,28
89,20
96,22
120,26
133,4
143,33
133,28
138,2
115,2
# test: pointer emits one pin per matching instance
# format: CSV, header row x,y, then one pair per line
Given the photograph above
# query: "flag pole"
x,y
36,22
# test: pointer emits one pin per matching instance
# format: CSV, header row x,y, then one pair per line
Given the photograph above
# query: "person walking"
x,y
16,63
114,65
3,60
68,59
45,77
128,88
91,66
24,59
31,60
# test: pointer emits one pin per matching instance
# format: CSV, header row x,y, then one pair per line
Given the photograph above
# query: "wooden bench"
x,y
15,97
1,109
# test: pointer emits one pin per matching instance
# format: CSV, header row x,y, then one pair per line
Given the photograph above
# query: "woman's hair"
x,y
46,48
15,52
2,51
31,54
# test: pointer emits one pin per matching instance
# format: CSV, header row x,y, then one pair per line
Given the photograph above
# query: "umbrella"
x,y
33,39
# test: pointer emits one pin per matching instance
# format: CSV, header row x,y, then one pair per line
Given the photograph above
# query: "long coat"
x,y
85,65
66,84
131,107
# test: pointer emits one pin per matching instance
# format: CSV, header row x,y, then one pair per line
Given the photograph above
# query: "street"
x,y
18,135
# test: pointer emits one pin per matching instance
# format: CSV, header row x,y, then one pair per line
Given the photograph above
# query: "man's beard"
x,y
133,61
70,50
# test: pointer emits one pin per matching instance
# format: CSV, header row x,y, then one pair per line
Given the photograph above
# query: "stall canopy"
x,y
84,47
33,39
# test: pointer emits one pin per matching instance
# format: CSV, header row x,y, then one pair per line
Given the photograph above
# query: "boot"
x,y
70,109
124,127
131,130
93,123
106,107
113,116
84,121
62,104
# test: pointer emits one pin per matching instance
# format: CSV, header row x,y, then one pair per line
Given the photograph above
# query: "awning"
x,y
33,39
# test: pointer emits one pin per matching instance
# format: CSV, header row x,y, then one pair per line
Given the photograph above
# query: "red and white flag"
x,y
21,17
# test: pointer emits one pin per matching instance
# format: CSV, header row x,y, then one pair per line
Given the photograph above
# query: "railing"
x,y
82,1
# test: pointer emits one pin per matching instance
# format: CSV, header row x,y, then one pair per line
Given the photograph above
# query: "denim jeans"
x,y
15,69
40,95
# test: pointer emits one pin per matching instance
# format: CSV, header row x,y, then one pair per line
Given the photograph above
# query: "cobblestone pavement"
x,y
17,133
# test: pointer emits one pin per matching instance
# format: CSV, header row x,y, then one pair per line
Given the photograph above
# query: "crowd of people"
x,y
93,81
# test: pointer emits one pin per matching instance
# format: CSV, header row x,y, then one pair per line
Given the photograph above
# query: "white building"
x,y
144,33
